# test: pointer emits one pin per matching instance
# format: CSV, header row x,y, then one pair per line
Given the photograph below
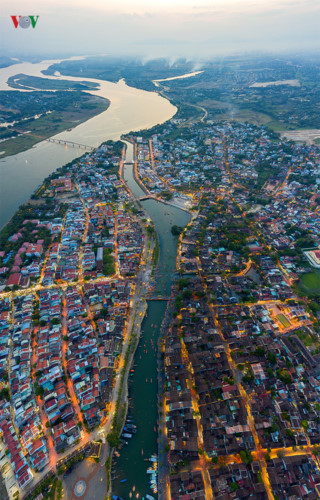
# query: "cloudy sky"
x,y
189,28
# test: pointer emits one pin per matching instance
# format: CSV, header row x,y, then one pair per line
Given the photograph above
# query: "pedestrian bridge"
x,y
147,197
159,297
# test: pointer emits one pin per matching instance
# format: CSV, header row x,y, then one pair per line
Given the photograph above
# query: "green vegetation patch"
x,y
176,230
284,320
310,283
108,262
25,81
309,340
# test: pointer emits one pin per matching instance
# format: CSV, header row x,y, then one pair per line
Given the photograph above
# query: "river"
x,y
130,109
143,385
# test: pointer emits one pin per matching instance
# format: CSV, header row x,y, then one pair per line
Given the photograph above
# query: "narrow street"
x,y
194,396
84,434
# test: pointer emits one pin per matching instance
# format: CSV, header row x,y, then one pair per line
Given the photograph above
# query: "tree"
x,y
259,352
246,456
285,376
183,282
166,195
150,230
113,439
176,230
234,487
272,358
39,391
4,393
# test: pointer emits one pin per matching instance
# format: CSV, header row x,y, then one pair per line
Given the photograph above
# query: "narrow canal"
x,y
131,466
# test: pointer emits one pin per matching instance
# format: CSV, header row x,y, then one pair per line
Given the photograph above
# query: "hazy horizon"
x,y
173,28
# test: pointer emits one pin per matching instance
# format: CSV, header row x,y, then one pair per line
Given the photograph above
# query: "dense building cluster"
x,y
242,353
62,330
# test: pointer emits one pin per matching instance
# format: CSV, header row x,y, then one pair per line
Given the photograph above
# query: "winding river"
x,y
130,109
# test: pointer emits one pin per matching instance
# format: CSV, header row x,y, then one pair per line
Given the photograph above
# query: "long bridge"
x,y
63,142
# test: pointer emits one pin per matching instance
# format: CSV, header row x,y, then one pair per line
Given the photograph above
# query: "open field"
x,y
309,136
292,83
225,111
310,283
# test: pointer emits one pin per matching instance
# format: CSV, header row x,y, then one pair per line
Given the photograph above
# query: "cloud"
x,y
178,27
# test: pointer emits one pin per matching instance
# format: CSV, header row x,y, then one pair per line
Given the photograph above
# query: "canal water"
x,y
133,461
143,385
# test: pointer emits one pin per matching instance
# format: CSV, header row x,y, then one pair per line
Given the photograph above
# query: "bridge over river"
x,y
147,197
63,142
160,297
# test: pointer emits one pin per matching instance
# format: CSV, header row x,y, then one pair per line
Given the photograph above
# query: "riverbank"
x,y
139,309
31,133
163,466
130,475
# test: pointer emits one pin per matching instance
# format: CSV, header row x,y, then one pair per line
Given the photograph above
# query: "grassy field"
x,y
310,283
224,111
278,126
282,318
52,124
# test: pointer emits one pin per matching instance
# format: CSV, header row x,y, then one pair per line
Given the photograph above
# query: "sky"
x,y
195,29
